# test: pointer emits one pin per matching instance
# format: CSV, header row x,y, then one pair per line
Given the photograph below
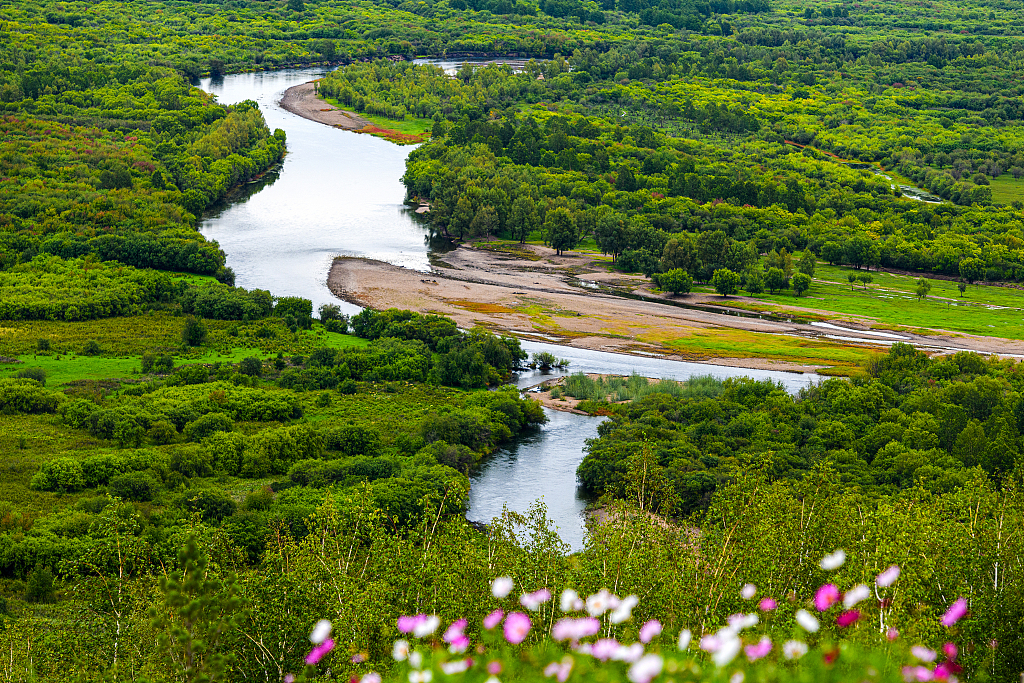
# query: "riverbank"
x,y
574,299
302,100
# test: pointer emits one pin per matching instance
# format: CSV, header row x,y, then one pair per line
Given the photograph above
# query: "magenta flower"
x,y
759,649
517,625
650,630
767,604
494,667
493,619
826,596
955,612
951,651
892,634
454,630
848,617
944,671
458,644
917,673
406,624
318,652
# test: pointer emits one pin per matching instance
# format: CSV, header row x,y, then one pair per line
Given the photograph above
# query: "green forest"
x,y
196,474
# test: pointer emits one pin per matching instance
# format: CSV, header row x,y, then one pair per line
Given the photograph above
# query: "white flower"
x,y
628,653
645,669
456,667
738,622
807,621
425,627
737,677
372,677
501,586
855,595
401,650
727,651
684,639
416,660
833,561
320,632
570,601
888,577
597,604
492,679
624,610
794,649
710,643
748,591
533,601
421,676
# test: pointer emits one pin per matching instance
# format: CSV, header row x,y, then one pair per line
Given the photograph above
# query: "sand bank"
x,y
302,101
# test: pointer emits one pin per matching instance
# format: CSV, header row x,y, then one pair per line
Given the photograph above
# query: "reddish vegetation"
x,y
393,135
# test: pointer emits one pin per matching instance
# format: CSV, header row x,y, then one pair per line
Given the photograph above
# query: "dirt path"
x,y
533,294
302,101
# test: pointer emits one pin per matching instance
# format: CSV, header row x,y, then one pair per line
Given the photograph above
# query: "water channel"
x,y
339,193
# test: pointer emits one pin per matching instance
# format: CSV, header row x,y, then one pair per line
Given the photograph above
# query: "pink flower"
x,y
575,629
560,669
645,669
604,648
923,653
454,630
533,601
748,591
767,604
826,596
650,630
955,612
951,651
517,625
892,634
317,653
946,669
406,624
888,577
916,673
372,677
458,644
758,650
848,617
494,667
290,678
493,619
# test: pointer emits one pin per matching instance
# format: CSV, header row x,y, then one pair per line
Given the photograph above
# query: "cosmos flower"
x,y
501,587
748,591
493,619
794,649
570,601
955,612
624,610
400,651
847,618
321,632
684,639
888,577
826,596
650,630
517,625
856,594
758,650
317,653
767,604
645,669
533,601
834,560
575,629
807,621
727,651
598,603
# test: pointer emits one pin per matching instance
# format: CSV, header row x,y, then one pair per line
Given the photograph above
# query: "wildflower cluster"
x,y
581,642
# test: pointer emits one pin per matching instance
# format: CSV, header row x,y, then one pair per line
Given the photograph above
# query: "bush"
x,y
43,345
164,363
146,363
37,374
212,506
137,486
348,386
63,475
91,348
192,461
251,366
199,429
194,332
162,432
39,586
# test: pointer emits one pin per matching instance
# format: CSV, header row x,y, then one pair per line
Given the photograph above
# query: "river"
x,y
339,193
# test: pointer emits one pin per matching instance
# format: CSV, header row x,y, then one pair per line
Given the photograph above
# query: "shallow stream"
x,y
339,193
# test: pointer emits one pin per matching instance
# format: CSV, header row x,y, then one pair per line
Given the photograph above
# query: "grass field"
x,y
410,126
1006,189
732,343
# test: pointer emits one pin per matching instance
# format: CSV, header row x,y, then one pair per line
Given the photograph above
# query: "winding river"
x,y
339,193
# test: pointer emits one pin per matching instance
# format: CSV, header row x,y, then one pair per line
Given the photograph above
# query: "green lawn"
x,y
891,301
1006,189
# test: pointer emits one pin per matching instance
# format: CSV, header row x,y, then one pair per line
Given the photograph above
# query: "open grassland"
x,y
1006,189
733,343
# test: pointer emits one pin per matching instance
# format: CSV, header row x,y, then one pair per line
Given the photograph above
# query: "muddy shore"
x,y
530,292
301,100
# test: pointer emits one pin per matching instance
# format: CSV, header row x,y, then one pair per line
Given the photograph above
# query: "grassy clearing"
x,y
1006,189
732,343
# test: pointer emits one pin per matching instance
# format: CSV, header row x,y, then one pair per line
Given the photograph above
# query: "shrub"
x,y
212,506
348,386
63,475
91,348
137,486
192,461
199,429
194,332
146,363
37,374
164,363
39,586
43,345
251,366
